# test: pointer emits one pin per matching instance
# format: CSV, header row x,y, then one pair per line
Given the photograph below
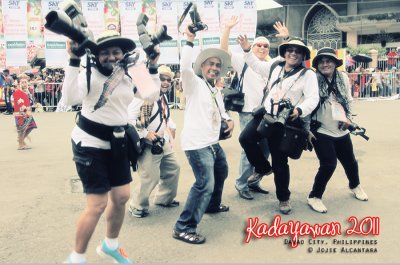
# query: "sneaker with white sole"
x,y
359,193
118,254
70,260
317,205
285,207
138,213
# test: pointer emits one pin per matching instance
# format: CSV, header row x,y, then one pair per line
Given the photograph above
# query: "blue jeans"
x,y
245,168
210,169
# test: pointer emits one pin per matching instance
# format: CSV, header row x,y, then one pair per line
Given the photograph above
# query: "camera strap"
x,y
266,90
240,83
213,96
184,14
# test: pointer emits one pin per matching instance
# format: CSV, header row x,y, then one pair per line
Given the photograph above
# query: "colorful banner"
x,y
129,11
111,15
15,32
149,8
2,43
55,44
227,10
248,21
35,33
167,15
93,10
208,11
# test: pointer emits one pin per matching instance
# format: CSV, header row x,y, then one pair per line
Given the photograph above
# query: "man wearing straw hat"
x,y
288,81
200,135
158,164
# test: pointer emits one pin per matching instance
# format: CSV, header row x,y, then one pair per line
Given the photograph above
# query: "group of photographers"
x,y
113,98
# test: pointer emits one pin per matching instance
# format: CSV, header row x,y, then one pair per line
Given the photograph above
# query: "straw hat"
x,y
326,52
165,70
209,53
111,38
297,43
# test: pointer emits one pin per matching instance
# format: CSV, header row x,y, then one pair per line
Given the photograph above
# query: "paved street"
x,y
40,202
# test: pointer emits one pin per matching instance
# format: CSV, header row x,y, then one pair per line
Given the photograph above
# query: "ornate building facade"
x,y
337,23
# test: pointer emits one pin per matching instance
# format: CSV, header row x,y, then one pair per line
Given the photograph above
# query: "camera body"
x,y
150,41
70,22
285,108
197,24
157,146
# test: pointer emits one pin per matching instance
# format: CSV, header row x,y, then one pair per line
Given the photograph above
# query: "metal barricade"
x,y
374,84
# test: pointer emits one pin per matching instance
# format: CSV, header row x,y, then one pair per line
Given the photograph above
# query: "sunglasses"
x,y
262,45
162,79
297,51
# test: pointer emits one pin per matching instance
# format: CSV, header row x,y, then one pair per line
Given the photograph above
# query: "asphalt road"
x,y
40,202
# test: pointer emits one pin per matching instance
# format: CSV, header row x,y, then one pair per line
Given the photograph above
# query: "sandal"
x,y
191,238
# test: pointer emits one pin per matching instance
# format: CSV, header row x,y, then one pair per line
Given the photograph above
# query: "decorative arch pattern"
x,y
322,32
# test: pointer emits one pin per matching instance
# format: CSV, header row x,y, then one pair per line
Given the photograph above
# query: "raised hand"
x,y
283,31
189,35
243,42
232,22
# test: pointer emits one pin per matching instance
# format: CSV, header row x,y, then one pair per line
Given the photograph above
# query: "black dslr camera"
x,y
157,147
150,41
285,108
70,22
197,24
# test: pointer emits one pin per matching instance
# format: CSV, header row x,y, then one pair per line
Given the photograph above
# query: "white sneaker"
x,y
317,205
360,193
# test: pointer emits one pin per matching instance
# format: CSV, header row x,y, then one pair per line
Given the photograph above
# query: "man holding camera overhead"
x,y
99,142
289,82
252,87
158,163
200,135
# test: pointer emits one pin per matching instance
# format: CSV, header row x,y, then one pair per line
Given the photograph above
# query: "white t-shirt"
x,y
113,113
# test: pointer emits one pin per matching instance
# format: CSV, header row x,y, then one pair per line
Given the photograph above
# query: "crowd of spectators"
x,y
44,90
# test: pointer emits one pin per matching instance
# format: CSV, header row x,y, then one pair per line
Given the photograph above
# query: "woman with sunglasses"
x,y
289,81
253,85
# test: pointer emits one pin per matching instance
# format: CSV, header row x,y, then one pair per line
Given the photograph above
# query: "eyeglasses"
x,y
162,79
297,51
262,45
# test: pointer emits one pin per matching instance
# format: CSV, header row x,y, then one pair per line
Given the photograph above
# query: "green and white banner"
x,y
93,10
15,32
167,14
55,44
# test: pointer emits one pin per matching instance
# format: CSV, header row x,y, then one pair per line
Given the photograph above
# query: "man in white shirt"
x,y
289,81
158,163
99,140
200,135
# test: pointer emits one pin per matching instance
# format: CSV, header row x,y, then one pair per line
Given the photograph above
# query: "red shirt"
x,y
391,58
19,94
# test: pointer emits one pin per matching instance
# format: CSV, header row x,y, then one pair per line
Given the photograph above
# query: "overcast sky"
x,y
266,4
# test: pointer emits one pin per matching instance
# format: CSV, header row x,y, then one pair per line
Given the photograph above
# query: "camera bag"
x,y
294,141
233,96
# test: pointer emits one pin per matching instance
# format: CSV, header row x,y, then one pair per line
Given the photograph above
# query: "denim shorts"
x,y
97,169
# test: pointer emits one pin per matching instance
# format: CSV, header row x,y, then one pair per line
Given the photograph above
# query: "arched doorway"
x,y
322,32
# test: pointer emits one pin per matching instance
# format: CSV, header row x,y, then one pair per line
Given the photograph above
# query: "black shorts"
x,y
97,169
